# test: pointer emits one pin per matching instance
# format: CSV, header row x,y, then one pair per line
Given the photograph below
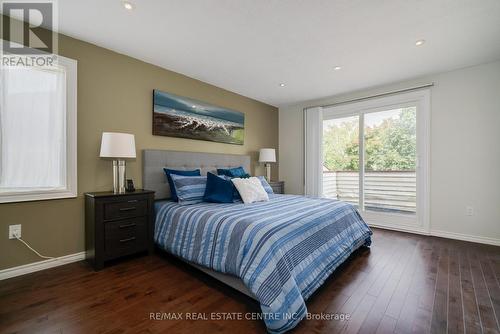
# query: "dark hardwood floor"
x,y
404,284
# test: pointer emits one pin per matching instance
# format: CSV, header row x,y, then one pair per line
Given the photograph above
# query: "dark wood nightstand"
x,y
278,186
117,225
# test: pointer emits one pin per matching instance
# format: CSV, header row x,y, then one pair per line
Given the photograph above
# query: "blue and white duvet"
x,y
283,250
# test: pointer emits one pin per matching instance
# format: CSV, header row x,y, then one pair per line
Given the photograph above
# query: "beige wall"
x,y
465,148
115,94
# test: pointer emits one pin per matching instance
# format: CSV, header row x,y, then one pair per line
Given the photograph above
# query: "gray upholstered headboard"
x,y
153,162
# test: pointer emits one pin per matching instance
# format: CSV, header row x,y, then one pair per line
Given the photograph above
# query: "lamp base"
x,y
268,172
119,176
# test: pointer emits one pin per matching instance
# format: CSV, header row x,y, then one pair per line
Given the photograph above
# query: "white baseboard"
x,y
465,237
41,265
400,228
442,234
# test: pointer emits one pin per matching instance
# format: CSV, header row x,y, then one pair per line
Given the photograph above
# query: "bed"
x,y
277,252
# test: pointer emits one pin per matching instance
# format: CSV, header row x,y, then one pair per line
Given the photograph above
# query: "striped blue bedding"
x,y
283,250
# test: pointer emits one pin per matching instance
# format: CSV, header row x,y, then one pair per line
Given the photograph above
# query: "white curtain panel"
x,y
313,167
32,129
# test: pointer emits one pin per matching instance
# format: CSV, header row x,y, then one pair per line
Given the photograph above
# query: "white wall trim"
x,y
400,228
466,237
41,265
442,234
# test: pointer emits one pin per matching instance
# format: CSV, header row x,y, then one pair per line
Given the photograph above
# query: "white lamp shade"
x,y
267,155
117,145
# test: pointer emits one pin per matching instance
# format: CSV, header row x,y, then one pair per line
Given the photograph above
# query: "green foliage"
x,y
390,145
340,146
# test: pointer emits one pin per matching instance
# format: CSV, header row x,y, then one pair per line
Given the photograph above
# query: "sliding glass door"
x,y
375,156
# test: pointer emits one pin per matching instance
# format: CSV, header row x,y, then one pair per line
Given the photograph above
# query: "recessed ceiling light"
x,y
282,84
420,42
337,68
127,5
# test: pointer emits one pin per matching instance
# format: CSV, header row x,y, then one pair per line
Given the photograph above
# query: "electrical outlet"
x,y
469,211
14,230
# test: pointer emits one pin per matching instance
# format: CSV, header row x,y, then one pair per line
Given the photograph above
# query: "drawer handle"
x,y
128,239
127,225
128,209
132,201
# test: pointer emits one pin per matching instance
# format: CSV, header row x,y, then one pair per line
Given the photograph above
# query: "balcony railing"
x,y
393,191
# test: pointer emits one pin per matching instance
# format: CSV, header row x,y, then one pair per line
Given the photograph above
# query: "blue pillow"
x,y
236,194
266,185
218,190
190,189
233,172
169,172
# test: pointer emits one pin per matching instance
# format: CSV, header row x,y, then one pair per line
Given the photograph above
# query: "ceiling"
x,y
251,46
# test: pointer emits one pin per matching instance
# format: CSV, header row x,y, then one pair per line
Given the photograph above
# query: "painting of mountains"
x,y
177,116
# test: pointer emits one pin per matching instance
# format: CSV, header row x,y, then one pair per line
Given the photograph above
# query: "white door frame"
x,y
421,98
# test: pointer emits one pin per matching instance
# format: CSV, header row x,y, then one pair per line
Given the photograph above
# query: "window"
x,y
374,155
38,132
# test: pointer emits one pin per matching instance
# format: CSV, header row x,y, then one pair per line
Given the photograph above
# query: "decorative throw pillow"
x,y
236,194
169,172
218,189
190,189
251,190
266,185
233,172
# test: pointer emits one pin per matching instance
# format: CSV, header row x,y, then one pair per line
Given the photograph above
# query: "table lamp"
x,y
118,146
267,155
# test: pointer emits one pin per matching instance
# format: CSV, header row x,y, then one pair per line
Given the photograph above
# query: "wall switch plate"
x,y
14,230
469,211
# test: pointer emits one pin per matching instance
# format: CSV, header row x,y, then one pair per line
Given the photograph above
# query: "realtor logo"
x,y
27,28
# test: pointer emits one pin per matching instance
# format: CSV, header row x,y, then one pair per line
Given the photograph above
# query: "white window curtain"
x,y
313,151
32,129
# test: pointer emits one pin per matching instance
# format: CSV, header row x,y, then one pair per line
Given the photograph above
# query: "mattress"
x,y
282,250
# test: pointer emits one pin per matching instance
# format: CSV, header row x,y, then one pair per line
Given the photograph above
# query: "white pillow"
x,y
251,190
